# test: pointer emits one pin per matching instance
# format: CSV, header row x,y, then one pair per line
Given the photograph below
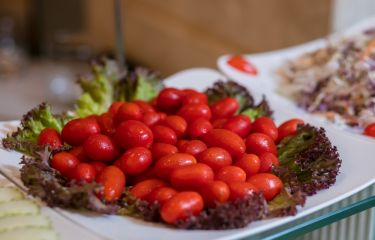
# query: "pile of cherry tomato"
x,y
176,150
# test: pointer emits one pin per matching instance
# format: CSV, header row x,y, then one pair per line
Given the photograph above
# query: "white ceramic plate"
x,y
356,174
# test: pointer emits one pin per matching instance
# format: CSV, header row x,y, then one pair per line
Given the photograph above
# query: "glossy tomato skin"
x,y
160,150
250,163
215,157
266,126
50,137
113,181
115,106
267,183
224,108
151,118
164,134
267,160
194,97
101,148
191,177
128,111
214,192
78,130
161,195
84,172
219,123
199,127
194,111
193,147
177,124
65,163
165,165
145,107
226,139
370,130
239,124
107,123
239,190
142,189
98,166
229,174
181,142
79,153
135,160
259,143
288,128
133,133
169,100
181,206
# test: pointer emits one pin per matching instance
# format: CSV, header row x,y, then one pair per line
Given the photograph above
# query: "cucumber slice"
x,y
29,234
21,221
18,207
9,194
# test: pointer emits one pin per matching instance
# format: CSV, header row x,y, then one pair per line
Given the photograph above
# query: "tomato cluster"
x,y
176,150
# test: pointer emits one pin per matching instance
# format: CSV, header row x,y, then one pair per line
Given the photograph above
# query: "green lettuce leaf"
x,y
260,110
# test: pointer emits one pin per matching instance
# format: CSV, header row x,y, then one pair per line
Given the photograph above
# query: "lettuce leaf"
x,y
262,109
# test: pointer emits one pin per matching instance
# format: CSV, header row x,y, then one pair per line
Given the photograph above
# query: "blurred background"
x,y
44,44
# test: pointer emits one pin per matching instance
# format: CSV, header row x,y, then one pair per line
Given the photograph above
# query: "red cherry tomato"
x,y
160,150
267,183
78,130
240,190
161,195
191,177
267,126
215,157
114,107
199,127
50,137
84,172
181,142
98,166
250,163
181,206
242,64
65,163
113,181
224,108
162,116
177,124
226,139
219,123
135,160
231,174
107,124
165,165
145,107
169,100
239,124
194,111
79,153
128,111
151,118
370,130
267,160
259,143
164,134
133,133
194,97
193,147
214,193
100,148
288,128
142,189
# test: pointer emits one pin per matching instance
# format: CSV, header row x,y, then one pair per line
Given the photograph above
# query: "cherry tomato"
x,y
107,124
169,100
128,111
50,137
370,130
144,188
231,174
65,163
266,126
267,183
191,177
98,166
194,97
177,124
101,148
133,133
214,192
162,116
288,128
267,160
165,165
113,181
114,107
164,134
79,153
161,195
226,139
181,206
242,64
259,143
215,157
219,123
181,142
160,150
145,107
194,111
240,190
199,127
193,147
224,108
84,172
239,124
78,130
151,118
135,160
250,163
